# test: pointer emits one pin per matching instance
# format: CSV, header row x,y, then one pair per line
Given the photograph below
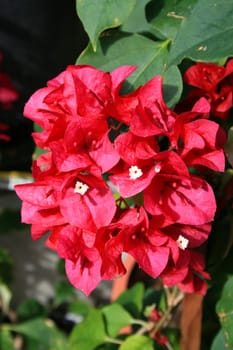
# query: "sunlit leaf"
x,y
137,342
43,333
219,342
88,334
132,299
206,34
149,56
6,340
167,16
224,309
116,318
100,15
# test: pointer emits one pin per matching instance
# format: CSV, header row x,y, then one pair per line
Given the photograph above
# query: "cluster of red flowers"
x,y
8,95
213,82
121,175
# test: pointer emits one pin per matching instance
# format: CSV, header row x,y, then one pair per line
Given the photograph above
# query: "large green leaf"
x,y
43,333
29,309
79,308
206,34
6,341
132,299
167,16
137,342
137,22
88,334
64,292
149,56
219,342
100,15
116,318
224,309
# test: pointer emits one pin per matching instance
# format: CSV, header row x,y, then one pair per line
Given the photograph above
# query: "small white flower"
x,y
134,172
182,242
80,188
157,168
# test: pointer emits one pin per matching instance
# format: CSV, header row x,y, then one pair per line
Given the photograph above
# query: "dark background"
x,y
38,39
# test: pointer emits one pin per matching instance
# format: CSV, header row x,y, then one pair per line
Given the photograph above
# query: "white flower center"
x,y
80,188
134,172
182,242
157,168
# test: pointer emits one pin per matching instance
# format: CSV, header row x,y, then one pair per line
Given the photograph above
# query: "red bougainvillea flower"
x,y
85,143
78,91
152,116
213,82
188,273
122,106
199,141
181,240
81,200
3,136
169,189
134,237
40,206
87,201
194,235
134,149
83,260
8,93
115,178
186,266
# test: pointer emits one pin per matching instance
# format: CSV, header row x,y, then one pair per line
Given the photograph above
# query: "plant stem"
x,y
169,347
172,300
113,341
139,322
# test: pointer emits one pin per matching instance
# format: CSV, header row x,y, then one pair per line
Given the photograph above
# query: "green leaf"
x,y
137,342
149,56
224,310
108,346
64,292
206,35
58,344
88,334
166,16
172,86
219,342
136,21
43,332
100,15
152,297
6,341
116,318
29,309
132,299
229,146
173,335
38,151
79,307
